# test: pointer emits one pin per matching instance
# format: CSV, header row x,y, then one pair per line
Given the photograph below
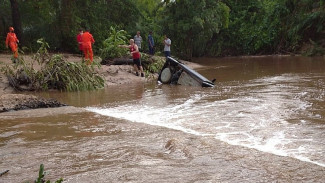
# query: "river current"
x,y
272,105
264,112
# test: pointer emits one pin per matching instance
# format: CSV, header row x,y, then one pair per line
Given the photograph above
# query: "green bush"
x,y
111,49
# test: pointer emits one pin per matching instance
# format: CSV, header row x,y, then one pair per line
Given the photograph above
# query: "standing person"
x,y
87,41
79,40
134,50
167,42
12,41
151,44
138,40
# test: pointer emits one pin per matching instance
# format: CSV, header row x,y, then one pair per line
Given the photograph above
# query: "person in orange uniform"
x,y
12,41
87,41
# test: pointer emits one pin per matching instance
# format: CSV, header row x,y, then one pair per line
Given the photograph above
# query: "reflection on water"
x,y
261,104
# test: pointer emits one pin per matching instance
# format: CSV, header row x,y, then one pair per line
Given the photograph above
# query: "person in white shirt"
x,y
167,42
138,40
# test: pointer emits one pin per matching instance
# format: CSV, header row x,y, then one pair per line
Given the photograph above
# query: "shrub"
x,y
55,73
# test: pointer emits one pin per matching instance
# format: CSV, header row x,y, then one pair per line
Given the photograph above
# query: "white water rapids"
x,y
271,114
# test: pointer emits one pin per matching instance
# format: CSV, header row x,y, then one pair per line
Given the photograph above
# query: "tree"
x,y
196,28
191,24
15,13
67,24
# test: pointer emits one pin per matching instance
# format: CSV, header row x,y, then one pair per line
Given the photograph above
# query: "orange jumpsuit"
x,y
12,40
87,41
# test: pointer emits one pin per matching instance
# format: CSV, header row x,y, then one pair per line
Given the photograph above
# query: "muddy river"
x,y
264,121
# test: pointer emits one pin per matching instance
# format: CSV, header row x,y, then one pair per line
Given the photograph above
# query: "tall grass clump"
x,y
54,73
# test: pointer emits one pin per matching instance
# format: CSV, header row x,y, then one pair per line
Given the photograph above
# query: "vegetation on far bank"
x,y
196,28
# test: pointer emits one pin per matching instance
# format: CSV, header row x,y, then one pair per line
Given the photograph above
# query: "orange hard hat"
x,y
11,29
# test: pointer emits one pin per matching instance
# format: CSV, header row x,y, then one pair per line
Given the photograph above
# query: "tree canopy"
x,y
196,28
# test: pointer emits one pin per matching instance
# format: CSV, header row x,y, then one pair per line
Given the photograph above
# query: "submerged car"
x,y
175,72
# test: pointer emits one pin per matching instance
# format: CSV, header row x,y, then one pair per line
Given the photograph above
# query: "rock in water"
x,y
9,102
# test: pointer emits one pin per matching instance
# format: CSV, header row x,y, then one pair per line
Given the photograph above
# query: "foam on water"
x,y
256,118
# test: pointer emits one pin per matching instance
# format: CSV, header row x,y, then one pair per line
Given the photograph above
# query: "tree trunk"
x,y
118,61
16,20
67,24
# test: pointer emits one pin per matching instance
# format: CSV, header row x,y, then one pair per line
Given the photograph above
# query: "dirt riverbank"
x,y
113,75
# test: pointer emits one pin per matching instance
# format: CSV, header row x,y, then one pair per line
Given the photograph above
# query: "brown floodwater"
x,y
262,122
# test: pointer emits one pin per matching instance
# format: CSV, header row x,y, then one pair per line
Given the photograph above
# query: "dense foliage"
x,y
272,26
196,28
192,24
